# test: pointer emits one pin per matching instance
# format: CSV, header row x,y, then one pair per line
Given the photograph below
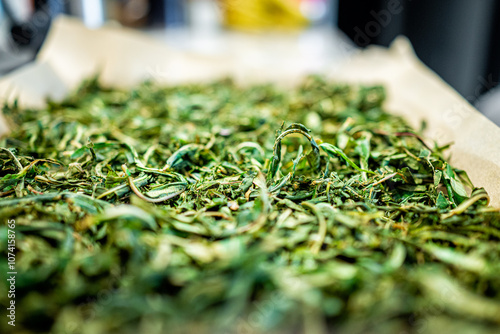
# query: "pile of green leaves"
x,y
220,209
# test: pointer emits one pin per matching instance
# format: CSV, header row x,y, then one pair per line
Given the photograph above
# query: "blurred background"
x,y
455,38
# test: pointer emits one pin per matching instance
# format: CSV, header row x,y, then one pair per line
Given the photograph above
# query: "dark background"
x,y
458,39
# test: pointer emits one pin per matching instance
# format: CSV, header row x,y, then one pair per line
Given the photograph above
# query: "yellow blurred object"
x,y
259,14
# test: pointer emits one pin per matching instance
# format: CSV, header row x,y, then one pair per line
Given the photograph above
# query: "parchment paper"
x,y
125,57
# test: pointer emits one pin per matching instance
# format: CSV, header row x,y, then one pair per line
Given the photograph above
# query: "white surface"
x,y
93,13
311,50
